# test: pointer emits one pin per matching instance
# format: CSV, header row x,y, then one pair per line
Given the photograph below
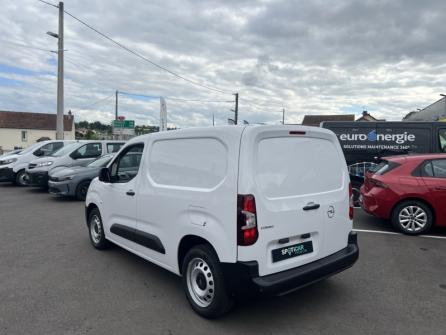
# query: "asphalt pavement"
x,y
53,282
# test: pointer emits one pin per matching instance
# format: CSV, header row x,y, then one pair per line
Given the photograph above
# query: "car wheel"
x,y
204,283
20,178
412,217
82,189
96,230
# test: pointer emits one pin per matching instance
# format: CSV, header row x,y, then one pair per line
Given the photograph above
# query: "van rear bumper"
x,y
293,279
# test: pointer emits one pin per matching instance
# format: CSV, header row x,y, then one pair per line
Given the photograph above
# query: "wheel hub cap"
x,y
412,218
200,282
95,229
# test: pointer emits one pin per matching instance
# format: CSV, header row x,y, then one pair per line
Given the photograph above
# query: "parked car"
x,y
74,181
12,152
364,142
409,190
80,153
13,167
230,209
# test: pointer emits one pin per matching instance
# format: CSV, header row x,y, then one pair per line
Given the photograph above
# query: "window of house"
x,y
24,136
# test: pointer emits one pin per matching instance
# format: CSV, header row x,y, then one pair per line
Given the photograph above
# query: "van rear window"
x,y
292,166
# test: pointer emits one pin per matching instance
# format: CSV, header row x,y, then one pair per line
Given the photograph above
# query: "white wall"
x,y
10,138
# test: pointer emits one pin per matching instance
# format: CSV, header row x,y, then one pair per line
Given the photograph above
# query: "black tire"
x,y
406,220
20,178
210,278
82,189
98,240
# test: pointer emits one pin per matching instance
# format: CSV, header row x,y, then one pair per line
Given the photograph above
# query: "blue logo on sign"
x,y
372,135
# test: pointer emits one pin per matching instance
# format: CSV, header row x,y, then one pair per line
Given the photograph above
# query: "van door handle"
x,y
130,192
310,206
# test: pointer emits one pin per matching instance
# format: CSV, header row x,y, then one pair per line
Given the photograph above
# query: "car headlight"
x,y
8,161
65,178
48,163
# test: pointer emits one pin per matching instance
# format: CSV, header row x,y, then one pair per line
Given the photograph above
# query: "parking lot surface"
x,y
53,282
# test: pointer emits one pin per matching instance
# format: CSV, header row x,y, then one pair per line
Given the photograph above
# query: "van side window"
x,y
114,147
90,150
48,149
442,139
439,168
179,162
126,165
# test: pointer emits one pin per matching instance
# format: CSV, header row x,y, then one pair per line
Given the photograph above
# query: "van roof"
x,y
228,129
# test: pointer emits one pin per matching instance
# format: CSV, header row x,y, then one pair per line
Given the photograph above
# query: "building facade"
x,y
315,120
433,112
21,129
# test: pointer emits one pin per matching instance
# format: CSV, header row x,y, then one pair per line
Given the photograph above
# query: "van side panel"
x,y
188,186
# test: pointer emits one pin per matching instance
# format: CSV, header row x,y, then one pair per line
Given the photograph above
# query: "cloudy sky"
x,y
309,57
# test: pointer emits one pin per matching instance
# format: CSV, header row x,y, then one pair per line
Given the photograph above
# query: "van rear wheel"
x,y
204,283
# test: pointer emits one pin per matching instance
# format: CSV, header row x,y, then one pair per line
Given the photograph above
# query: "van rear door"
x,y
299,179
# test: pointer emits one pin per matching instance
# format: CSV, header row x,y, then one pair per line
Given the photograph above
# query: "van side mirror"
x,y
75,155
104,175
38,153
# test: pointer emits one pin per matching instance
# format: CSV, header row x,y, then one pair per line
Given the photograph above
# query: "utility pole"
x,y
60,74
236,109
213,120
283,115
116,105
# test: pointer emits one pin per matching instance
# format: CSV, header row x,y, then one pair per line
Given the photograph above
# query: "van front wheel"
x,y
204,283
96,230
20,178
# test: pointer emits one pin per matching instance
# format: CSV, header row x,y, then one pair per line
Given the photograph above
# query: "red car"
x,y
409,190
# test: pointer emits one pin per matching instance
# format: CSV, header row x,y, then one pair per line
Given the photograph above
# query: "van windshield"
x,y
101,161
65,150
31,148
293,166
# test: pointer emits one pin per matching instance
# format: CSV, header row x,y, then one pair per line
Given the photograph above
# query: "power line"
x,y
48,3
26,46
173,98
197,100
96,102
137,54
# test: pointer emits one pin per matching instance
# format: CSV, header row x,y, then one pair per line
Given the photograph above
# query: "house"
x,y
366,116
315,120
20,129
434,112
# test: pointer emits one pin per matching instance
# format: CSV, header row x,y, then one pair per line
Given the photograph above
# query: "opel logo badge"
x,y
331,212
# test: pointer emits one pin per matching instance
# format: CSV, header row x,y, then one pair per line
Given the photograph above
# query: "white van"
x,y
230,209
12,167
79,153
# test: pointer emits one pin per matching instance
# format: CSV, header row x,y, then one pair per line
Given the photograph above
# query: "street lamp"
x,y
60,75
52,34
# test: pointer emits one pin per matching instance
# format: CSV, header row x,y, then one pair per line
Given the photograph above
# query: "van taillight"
x,y
350,199
247,232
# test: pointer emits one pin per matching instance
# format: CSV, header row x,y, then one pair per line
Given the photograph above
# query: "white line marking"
x,y
393,233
